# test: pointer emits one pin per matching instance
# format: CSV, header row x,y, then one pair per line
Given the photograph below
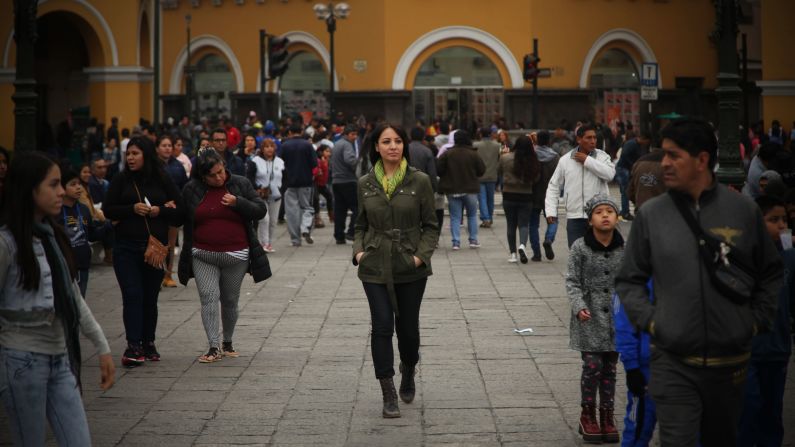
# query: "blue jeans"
x,y
535,225
763,406
36,388
140,287
622,178
486,200
630,422
457,205
575,229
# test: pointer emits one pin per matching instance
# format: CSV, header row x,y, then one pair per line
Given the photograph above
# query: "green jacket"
x,y
392,232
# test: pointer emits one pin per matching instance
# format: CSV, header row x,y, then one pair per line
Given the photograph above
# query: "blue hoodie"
x,y
634,347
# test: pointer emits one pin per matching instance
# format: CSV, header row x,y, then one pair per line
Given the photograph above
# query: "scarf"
x,y
390,183
63,291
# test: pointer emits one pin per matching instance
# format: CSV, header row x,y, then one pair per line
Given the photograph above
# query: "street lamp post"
x,y
188,75
25,97
330,13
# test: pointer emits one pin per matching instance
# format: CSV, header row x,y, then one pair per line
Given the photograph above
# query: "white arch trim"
x,y
456,32
114,52
144,9
312,41
619,34
205,40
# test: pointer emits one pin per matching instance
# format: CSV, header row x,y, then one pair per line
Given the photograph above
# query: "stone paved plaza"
x,y
305,374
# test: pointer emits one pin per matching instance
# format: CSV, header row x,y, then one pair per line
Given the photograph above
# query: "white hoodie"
x,y
579,182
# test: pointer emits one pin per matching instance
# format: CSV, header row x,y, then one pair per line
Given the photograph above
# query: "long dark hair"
x,y
26,172
153,166
525,163
371,141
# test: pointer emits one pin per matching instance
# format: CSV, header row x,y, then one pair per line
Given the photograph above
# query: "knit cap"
x,y
599,199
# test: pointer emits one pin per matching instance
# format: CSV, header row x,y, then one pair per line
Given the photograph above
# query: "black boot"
x,y
407,387
391,409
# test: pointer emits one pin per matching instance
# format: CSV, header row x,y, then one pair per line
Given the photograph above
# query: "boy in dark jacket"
x,y
761,420
76,219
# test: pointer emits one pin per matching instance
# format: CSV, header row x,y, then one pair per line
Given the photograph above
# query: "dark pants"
x,y
696,401
575,229
322,191
407,326
517,215
344,199
440,217
82,281
140,286
283,191
761,422
622,178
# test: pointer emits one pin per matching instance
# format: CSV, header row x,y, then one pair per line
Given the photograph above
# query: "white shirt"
x,y
579,182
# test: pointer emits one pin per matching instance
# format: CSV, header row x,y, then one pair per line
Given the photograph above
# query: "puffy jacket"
x,y
579,181
633,345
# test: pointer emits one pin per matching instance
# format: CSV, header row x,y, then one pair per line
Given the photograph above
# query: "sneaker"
x,y
133,356
548,250
536,258
456,246
228,350
349,237
628,216
268,248
308,238
513,259
150,352
474,244
522,254
212,356
295,243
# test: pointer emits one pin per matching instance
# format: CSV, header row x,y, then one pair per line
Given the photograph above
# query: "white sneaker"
x,y
522,254
513,259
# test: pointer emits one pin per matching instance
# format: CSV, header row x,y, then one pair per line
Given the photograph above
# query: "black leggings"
x,y
323,191
407,326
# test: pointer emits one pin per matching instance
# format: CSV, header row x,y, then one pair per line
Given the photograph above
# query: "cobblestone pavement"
x,y
305,374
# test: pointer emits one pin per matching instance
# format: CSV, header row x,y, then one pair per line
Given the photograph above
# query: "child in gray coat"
x,y
593,262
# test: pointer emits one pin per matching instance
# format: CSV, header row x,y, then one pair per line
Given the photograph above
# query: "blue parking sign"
x,y
648,75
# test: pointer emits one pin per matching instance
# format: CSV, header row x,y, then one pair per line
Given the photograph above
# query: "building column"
x,y
25,80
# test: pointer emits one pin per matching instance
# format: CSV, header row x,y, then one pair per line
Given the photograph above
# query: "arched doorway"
x,y
214,82
615,80
458,84
303,87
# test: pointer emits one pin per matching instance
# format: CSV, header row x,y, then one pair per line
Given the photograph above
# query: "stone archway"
x,y
618,35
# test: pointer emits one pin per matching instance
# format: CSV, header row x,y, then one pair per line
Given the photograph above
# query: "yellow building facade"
x,y
403,60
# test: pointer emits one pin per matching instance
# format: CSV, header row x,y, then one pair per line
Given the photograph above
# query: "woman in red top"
x,y
220,245
321,185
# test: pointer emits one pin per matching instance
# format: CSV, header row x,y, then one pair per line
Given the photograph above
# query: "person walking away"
x,y
220,246
266,176
300,159
520,170
175,170
593,261
321,176
343,162
422,157
489,151
701,328
78,226
630,153
646,179
41,312
395,235
549,162
459,168
145,202
761,421
581,174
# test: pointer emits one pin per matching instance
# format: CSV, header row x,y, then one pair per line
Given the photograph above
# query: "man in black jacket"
x,y
300,159
701,337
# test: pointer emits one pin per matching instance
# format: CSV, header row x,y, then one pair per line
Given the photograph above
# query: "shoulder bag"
x,y
156,252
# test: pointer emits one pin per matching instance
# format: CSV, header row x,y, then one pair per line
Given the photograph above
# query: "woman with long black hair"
x,y
520,169
145,202
42,312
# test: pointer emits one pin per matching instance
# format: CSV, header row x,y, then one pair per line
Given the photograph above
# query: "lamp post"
x,y
25,97
330,13
188,75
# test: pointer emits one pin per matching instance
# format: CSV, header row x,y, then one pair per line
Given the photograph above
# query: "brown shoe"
x,y
168,281
319,222
331,216
589,428
609,430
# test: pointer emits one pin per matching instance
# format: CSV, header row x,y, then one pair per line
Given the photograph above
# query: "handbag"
x,y
727,267
155,253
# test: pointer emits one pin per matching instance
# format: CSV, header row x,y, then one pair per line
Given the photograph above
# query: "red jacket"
x,y
320,173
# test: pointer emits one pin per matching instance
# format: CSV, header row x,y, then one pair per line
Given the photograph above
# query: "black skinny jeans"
x,y
345,199
140,287
322,191
517,215
407,326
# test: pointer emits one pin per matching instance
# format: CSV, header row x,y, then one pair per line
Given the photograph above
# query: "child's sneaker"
x,y
473,243
150,352
133,356
456,246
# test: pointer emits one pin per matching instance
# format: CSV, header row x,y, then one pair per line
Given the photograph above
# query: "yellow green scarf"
x,y
390,183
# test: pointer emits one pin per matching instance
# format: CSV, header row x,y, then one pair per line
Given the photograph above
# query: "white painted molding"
x,y
205,40
457,32
119,74
312,41
625,35
777,88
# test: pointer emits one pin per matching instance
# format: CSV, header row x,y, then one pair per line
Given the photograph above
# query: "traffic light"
x,y
277,56
531,67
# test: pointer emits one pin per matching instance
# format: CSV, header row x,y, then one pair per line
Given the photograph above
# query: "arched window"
x,y
458,66
614,69
304,85
615,82
214,82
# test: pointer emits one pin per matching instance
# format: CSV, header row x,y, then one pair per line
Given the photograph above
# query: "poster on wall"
x,y
621,106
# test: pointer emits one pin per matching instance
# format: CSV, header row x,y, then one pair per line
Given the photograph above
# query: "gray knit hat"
x,y
599,199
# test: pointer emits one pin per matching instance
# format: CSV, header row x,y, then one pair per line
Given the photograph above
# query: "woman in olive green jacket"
x,y
396,232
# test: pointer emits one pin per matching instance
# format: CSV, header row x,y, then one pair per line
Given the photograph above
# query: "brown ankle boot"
x,y
589,428
407,386
319,222
609,431
331,216
391,409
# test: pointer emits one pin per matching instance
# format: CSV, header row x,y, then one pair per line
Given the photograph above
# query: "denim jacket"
x,y
18,307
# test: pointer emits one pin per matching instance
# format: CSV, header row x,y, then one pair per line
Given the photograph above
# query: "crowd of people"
x,y
683,324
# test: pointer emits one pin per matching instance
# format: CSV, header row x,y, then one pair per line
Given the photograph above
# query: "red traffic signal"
x,y
531,67
277,56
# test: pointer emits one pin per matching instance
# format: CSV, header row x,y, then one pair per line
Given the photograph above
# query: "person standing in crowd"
x,y
300,160
145,202
344,160
235,164
421,156
593,261
125,140
396,233
646,179
220,245
111,155
761,418
321,175
249,147
762,162
549,162
581,174
459,169
175,170
78,226
630,153
520,171
701,333
266,177
97,183
180,145
40,355
489,151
